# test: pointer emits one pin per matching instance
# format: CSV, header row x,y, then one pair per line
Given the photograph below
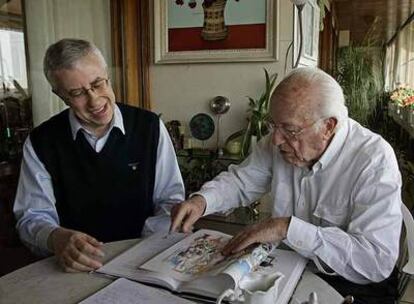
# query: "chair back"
x,y
407,251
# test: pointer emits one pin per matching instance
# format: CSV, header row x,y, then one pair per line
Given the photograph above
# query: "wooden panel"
x,y
327,46
130,43
358,16
145,54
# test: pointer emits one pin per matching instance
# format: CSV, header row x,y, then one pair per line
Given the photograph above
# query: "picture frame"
x,y
186,44
310,25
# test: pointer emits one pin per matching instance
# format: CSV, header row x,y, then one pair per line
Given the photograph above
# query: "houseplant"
x,y
259,111
402,100
359,72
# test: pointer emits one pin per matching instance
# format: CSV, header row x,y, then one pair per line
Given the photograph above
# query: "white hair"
x,y
326,89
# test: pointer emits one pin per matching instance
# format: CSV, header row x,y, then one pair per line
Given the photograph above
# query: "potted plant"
x,y
402,99
259,111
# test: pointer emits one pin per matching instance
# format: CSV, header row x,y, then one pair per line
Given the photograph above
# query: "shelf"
x,y
401,118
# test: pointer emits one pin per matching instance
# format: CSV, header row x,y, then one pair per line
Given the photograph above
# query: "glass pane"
x,y
15,101
13,59
308,29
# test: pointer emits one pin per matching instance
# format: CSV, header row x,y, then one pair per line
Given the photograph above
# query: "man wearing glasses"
x,y
92,173
334,188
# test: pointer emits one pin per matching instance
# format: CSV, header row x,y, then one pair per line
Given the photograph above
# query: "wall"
x,y
179,91
47,22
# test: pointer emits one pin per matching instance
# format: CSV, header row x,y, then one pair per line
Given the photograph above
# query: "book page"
x,y
291,265
288,262
194,256
123,291
127,264
254,259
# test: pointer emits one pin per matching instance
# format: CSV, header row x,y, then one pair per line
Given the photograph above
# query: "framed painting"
x,y
187,31
310,38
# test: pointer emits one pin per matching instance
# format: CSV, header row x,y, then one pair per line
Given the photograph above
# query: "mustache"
x,y
289,150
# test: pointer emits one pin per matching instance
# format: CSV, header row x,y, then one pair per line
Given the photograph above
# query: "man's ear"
x,y
330,126
60,96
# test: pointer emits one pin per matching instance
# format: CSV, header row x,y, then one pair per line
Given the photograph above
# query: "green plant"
x,y
259,110
403,96
360,73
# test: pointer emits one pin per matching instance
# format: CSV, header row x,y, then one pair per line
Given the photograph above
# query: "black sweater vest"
x,y
107,194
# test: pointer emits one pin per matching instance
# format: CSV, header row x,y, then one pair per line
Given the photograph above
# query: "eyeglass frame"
x,y
288,134
95,86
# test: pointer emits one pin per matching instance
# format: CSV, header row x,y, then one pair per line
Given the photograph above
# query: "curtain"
x,y
400,59
48,21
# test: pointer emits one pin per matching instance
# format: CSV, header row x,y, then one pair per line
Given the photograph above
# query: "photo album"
x,y
192,264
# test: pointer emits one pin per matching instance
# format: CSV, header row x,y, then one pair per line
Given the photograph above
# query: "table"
x,y
44,282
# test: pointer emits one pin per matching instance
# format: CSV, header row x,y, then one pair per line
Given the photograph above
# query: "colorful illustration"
x,y
200,256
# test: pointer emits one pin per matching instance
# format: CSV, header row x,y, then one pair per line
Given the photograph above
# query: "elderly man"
x,y
96,172
334,185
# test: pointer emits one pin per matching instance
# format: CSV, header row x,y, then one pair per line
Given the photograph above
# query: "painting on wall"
x,y
188,31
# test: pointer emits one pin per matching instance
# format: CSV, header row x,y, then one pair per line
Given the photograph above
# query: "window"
x,y
12,58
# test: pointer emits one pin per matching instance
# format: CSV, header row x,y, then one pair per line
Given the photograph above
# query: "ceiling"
x,y
357,16
11,14
13,7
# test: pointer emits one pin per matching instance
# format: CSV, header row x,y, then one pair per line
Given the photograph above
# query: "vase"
x,y
410,116
214,27
391,109
398,112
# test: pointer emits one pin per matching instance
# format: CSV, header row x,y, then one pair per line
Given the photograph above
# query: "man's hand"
x,y
185,214
75,251
269,231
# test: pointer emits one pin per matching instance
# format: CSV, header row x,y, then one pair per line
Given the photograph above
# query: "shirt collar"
x,y
75,125
334,147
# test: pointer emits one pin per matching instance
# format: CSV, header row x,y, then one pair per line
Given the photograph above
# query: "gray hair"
x,y
329,92
65,53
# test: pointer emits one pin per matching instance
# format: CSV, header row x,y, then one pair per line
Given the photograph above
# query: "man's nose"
x,y
92,96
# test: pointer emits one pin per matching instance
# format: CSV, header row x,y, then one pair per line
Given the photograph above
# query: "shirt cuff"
x,y
210,199
42,236
302,236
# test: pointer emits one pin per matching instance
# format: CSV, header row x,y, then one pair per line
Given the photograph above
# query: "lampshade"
x,y
299,2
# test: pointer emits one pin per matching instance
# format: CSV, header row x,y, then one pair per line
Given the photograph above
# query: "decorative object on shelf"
x,y
259,112
202,126
234,142
174,128
219,105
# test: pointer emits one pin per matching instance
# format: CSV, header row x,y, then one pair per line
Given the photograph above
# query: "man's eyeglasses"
x,y
99,86
288,132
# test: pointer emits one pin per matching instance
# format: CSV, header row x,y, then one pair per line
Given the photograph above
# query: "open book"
x,y
192,264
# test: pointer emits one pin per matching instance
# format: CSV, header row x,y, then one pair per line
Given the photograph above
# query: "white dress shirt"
x,y
34,205
345,210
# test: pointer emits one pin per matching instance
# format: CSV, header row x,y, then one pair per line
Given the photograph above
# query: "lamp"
x,y
300,4
219,105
